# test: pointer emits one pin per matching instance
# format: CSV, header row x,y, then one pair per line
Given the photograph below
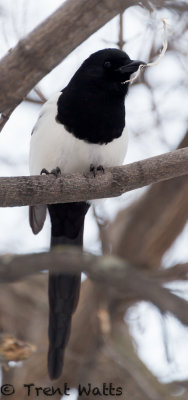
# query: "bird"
x,y
80,128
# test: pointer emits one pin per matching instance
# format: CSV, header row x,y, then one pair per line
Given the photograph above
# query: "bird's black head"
x,y
108,66
92,105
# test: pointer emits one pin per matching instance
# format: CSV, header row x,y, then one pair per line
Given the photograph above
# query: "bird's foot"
x,y
56,172
100,168
94,169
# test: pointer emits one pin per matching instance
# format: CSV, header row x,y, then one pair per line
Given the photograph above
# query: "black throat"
x,y
93,111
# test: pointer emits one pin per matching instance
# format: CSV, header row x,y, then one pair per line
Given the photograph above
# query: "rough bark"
x,y
48,44
35,190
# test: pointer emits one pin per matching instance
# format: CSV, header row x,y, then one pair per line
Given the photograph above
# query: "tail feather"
x,y
63,299
67,228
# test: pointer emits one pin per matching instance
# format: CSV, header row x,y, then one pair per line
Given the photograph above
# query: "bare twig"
x,y
177,6
152,64
40,94
34,101
121,41
42,99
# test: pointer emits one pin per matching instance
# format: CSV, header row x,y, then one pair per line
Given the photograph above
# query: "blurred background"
x,y
146,226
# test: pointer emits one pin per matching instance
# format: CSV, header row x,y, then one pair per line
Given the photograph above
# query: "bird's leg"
x,y
56,172
94,169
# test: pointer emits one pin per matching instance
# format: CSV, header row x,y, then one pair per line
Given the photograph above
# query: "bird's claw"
x,y
100,168
56,172
94,169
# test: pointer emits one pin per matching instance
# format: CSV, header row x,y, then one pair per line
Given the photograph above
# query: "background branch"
x,y
120,280
152,223
112,355
49,43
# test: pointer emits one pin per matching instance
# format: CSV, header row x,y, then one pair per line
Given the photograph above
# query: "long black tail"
x,y
67,228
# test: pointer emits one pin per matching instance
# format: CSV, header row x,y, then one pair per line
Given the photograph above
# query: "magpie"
x,y
80,126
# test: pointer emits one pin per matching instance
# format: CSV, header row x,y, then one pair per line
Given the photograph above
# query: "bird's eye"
x,y
107,64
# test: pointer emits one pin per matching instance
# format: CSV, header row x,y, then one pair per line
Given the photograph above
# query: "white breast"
x,y
52,146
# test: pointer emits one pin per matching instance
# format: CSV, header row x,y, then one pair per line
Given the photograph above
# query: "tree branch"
x,y
21,191
178,272
176,6
152,223
119,347
6,115
48,44
120,280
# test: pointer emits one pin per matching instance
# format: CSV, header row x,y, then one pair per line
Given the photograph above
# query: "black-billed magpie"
x,y
83,124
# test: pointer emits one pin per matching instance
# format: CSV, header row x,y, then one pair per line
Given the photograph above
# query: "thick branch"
x,y
21,191
50,43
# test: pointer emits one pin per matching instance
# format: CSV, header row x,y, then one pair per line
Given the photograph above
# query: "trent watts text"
x,y
106,389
